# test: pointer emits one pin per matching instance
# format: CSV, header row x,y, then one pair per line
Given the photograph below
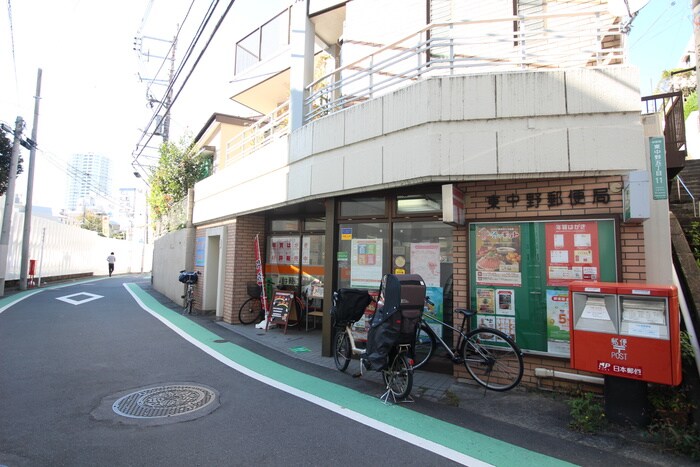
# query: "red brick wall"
x,y
240,261
478,208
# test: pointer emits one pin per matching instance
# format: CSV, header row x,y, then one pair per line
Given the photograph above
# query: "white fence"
x,y
61,250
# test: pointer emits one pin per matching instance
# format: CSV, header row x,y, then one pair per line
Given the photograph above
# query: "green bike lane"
x,y
450,441
442,438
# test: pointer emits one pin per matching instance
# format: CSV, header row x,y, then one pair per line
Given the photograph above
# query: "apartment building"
x,y
486,146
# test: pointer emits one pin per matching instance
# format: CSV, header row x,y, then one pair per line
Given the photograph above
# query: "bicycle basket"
x,y
188,277
349,305
253,289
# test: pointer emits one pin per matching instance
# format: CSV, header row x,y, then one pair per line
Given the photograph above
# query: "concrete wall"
x,y
63,250
490,126
172,253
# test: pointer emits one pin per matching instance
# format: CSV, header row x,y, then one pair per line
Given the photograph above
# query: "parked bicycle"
x,y
189,279
391,334
491,357
252,311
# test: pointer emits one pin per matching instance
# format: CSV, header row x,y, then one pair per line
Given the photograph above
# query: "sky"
x,y
93,101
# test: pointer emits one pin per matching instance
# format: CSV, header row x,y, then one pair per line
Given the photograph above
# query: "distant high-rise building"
x,y
90,183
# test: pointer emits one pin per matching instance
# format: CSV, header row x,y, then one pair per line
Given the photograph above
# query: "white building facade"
x,y
482,145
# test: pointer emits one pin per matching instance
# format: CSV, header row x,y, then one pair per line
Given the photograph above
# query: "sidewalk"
x,y
543,414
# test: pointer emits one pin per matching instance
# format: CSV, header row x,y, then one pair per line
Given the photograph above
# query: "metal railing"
x,y
554,41
679,184
261,133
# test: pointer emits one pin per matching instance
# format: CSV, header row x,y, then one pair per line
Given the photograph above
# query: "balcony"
x,y
581,39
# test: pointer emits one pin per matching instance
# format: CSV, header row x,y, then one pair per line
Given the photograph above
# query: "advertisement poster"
x,y
505,302
366,263
434,306
498,255
506,325
199,251
425,261
558,326
485,302
284,250
571,252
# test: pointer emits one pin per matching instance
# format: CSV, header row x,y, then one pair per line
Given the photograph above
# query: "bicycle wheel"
x,y
493,359
398,377
251,311
424,347
342,353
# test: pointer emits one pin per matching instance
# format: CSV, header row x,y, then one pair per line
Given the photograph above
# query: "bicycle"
x,y
397,375
252,311
189,279
491,357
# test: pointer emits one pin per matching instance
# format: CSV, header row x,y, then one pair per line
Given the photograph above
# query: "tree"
x,y
5,160
179,168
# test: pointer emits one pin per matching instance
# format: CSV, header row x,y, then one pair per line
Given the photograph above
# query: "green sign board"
x,y
659,183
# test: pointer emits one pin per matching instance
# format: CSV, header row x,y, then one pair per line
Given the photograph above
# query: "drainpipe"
x,y
546,373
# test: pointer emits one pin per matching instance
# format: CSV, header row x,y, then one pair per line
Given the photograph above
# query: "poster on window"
x,y
571,252
425,261
498,255
505,302
284,250
506,324
485,301
366,263
558,330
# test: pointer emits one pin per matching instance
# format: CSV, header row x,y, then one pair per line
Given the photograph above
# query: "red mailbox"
x,y
626,330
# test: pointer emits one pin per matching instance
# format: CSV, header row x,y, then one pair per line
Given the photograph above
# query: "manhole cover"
x,y
164,401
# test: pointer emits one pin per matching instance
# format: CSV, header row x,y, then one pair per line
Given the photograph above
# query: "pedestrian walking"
x,y
111,259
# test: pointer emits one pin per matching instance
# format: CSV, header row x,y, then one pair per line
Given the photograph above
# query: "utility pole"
x,y
30,190
9,202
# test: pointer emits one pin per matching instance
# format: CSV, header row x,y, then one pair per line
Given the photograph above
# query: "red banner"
x,y
260,277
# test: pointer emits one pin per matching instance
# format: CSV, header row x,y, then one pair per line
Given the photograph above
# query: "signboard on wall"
x,y
199,251
453,209
659,178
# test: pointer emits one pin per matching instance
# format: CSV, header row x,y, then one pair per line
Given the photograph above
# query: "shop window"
x,y
284,225
363,207
420,203
425,248
363,251
315,225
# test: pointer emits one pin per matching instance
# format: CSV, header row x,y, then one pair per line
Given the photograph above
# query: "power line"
x,y
12,44
171,84
188,54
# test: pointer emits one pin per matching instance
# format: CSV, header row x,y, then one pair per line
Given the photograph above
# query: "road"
x,y
77,362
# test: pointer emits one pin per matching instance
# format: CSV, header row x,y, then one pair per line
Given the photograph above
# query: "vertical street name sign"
x,y
659,183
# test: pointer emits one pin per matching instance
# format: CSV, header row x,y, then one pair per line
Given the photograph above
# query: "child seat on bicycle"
x,y
395,323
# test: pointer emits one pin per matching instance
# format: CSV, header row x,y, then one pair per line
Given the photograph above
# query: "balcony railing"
x,y
268,128
554,41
